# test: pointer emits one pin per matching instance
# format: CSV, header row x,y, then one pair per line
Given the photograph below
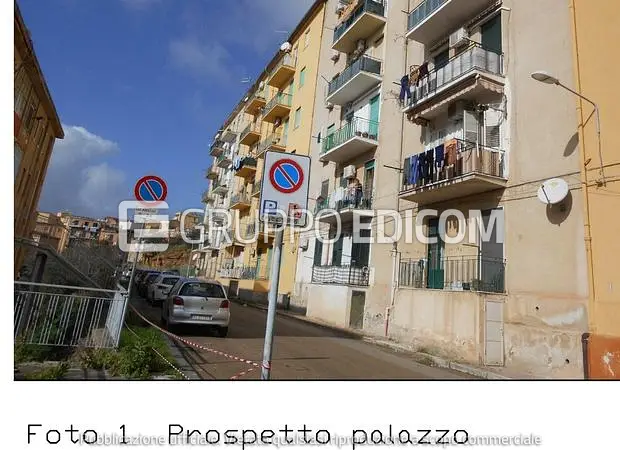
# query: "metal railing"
x,y
471,157
460,273
260,95
287,60
422,12
219,184
275,138
362,64
342,274
210,172
358,126
371,6
474,58
346,199
281,98
67,316
240,197
207,197
239,273
256,187
248,161
223,157
219,145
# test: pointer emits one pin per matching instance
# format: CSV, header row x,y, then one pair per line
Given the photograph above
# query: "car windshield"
x,y
169,281
152,277
203,290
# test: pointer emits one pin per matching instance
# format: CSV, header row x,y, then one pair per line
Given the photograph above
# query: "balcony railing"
x,y
358,126
344,199
223,160
362,64
207,197
466,273
422,12
211,173
472,59
239,273
240,198
281,98
371,6
218,147
341,274
250,134
469,158
256,187
274,141
219,186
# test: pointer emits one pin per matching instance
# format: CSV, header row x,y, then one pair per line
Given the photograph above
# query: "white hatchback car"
x,y
197,302
158,290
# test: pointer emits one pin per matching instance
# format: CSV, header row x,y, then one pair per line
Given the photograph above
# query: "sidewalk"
x,y
431,360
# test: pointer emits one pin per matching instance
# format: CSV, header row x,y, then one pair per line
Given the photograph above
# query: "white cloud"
x,y
77,180
202,60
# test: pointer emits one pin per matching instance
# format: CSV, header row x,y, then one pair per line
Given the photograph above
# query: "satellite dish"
x,y
553,191
286,47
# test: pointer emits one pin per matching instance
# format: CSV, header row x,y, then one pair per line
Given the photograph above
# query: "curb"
x,y
420,357
181,362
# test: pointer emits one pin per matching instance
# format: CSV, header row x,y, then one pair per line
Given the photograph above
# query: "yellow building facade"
x,y
594,28
276,115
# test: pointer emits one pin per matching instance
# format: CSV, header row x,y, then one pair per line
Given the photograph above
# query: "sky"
x,y
142,86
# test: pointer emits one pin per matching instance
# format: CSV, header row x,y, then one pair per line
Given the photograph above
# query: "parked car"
x,y
172,272
196,302
146,281
158,290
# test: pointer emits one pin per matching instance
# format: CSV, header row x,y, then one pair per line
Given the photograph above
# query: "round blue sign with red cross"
x,y
286,176
151,189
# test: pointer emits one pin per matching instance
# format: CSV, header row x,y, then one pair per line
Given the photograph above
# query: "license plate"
x,y
201,317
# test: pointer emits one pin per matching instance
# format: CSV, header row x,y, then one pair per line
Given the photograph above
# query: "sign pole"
x,y
273,302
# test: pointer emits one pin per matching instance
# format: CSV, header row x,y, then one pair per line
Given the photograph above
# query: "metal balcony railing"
x,y
341,274
474,58
239,273
240,198
471,157
422,11
362,64
218,145
252,127
273,139
223,157
346,198
281,98
371,6
466,273
356,127
287,60
256,187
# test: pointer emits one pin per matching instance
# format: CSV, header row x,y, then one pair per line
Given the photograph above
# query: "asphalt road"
x,y
302,351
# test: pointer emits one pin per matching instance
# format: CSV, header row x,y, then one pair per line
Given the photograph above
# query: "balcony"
x,y
229,136
345,204
256,188
476,169
432,19
283,72
207,197
364,18
250,135
458,273
219,187
354,81
247,168
211,173
353,139
239,273
278,107
224,160
240,201
217,148
274,142
255,103
261,233
341,274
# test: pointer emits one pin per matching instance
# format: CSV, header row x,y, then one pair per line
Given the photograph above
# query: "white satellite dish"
x,y
553,191
286,47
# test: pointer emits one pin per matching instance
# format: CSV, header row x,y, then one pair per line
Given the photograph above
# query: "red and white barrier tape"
x,y
253,364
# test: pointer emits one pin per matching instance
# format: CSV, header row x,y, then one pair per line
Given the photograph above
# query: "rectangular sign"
x,y
284,189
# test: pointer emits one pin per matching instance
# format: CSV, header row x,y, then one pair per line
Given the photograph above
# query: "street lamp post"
x,y
547,78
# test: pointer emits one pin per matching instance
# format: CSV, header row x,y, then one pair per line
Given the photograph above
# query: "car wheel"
x,y
222,332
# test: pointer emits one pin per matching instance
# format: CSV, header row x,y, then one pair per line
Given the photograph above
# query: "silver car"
x,y
197,302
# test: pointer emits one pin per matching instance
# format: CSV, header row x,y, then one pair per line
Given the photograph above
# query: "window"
x,y
307,38
324,189
202,290
302,77
17,157
298,117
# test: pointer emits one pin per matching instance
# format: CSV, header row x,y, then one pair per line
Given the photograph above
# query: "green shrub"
x,y
55,372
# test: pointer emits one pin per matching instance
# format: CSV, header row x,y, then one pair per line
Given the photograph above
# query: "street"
x,y
302,351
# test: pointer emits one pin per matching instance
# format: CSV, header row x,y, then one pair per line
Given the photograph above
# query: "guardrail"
x,y
422,11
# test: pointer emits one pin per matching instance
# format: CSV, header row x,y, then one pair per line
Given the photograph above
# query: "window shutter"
x,y
492,135
470,126
318,252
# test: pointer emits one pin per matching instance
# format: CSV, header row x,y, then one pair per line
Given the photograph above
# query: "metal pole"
x,y
133,271
273,301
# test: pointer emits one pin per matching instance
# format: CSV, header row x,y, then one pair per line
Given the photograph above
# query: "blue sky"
x,y
141,86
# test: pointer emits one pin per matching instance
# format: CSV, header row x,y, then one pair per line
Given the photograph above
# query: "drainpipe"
x,y
395,253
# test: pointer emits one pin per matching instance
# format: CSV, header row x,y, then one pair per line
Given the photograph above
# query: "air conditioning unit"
x,y
459,37
335,55
349,171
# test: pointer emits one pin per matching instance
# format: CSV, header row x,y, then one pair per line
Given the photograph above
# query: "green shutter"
x,y
302,77
318,252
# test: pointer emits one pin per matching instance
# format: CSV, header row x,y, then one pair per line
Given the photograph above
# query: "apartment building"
x,y
595,24
359,119
36,127
51,231
275,115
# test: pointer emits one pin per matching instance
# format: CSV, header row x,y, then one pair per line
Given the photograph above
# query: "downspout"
x,y
584,181
395,252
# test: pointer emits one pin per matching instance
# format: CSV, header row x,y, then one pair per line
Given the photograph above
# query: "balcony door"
x,y
435,278
374,116
337,251
492,254
492,34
